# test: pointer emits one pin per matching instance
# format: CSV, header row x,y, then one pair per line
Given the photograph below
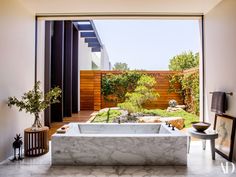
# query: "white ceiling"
x,y
120,6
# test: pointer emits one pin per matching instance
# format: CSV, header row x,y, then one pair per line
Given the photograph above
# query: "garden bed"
x,y
115,114
101,117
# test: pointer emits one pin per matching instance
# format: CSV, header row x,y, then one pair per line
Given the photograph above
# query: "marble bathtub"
x,y
119,144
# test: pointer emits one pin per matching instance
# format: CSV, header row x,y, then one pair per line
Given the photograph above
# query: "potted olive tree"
x,y
34,102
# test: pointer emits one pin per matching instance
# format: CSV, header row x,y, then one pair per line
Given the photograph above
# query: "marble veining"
x,y
150,144
124,128
199,164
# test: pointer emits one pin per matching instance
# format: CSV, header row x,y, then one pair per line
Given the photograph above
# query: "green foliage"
x,y
188,117
143,93
176,83
131,108
189,89
113,114
34,101
120,66
108,115
102,117
186,60
117,85
188,83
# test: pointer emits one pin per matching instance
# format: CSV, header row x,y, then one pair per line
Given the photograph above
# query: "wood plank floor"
x,y
82,116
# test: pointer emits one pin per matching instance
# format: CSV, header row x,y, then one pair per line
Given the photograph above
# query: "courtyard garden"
x,y
142,96
113,115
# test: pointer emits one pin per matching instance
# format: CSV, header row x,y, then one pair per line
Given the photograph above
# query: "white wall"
x,y
85,57
16,69
125,6
220,54
105,63
41,56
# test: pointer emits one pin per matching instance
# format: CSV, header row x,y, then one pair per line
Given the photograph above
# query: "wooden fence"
x,y
90,90
191,70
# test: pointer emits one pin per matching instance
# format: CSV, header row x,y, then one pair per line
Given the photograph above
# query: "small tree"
x,y
34,102
120,66
186,60
117,85
143,93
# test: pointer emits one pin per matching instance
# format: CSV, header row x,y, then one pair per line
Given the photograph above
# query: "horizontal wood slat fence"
x,y
90,90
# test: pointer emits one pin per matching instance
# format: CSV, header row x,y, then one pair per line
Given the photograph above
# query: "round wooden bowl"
x,y
200,126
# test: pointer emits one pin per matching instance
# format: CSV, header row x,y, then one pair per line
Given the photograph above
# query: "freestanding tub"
x,y
119,144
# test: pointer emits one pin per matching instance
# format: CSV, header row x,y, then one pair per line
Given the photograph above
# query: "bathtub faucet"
x,y
173,127
119,120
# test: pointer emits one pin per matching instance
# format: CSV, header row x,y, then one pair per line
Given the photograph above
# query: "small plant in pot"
x,y
34,102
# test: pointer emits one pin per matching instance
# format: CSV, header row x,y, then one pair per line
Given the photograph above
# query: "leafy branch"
x,y
34,101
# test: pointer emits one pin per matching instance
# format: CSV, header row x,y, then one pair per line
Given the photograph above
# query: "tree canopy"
x,y
143,93
186,60
120,66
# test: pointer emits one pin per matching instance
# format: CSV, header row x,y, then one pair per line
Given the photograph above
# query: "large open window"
x,y
83,55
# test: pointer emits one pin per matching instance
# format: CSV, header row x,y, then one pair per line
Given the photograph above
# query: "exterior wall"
x,y
96,59
16,69
100,60
220,62
85,56
105,64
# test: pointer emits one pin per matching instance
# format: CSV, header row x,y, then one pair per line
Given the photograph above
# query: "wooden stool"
x,y
36,141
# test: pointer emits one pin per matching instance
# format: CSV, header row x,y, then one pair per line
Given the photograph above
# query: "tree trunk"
x,y
37,123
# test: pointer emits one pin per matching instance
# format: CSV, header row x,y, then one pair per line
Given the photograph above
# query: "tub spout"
x,y
173,127
119,120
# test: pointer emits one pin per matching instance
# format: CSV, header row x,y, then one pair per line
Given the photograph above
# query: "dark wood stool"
x,y
36,141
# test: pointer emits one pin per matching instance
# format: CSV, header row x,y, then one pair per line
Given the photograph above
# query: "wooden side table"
x,y
36,141
204,136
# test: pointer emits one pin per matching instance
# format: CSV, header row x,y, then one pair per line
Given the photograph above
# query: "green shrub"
x,y
117,85
129,107
102,117
143,93
189,89
189,83
188,117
